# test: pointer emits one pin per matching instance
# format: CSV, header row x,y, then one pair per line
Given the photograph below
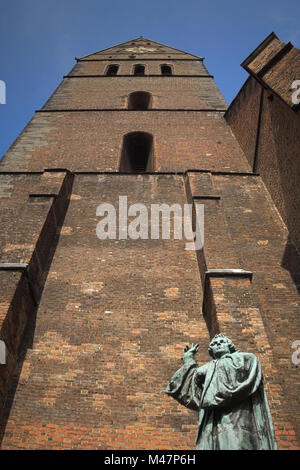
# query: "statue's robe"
x,y
231,400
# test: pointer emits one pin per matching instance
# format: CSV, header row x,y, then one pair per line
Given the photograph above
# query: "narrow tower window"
x,y
137,152
112,70
139,69
166,69
139,100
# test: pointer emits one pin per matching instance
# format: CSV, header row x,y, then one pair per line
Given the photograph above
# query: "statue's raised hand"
x,y
191,349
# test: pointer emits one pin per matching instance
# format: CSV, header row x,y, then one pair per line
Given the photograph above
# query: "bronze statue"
x,y
229,394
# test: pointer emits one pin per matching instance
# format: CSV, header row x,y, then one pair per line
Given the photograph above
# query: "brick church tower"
x,y
93,329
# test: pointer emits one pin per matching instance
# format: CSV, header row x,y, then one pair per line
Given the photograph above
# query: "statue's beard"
x,y
219,353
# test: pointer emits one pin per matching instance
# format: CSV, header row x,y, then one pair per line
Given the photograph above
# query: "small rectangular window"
x,y
112,70
166,69
137,153
139,100
139,69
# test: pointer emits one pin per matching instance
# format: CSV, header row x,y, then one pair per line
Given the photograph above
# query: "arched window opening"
x,y
112,70
137,153
166,69
139,69
139,100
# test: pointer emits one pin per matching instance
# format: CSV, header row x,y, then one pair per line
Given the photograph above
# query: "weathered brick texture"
x,y
99,67
167,93
87,366
102,355
31,247
245,130
267,129
276,65
93,141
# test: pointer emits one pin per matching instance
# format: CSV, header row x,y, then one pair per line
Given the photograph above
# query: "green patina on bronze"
x,y
229,394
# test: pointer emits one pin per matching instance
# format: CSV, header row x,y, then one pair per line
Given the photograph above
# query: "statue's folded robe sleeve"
x,y
184,386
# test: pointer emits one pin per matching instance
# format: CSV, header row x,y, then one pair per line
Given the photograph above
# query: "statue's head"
x,y
220,345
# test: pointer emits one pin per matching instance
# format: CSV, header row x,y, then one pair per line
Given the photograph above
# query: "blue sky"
x,y
40,38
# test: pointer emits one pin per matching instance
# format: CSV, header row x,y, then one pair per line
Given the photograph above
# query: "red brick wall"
x,y
265,55
93,141
260,241
38,204
278,160
276,65
162,56
167,93
242,116
281,76
103,355
114,315
126,309
179,67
